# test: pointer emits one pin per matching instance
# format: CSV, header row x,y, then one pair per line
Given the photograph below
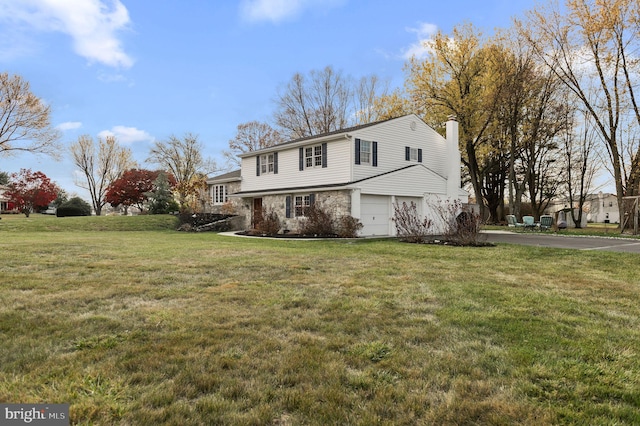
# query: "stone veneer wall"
x,y
234,206
336,202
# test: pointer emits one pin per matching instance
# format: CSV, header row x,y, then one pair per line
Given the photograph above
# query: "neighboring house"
x,y
361,171
5,203
597,208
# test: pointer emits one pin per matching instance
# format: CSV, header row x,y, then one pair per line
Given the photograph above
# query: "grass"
x,y
154,326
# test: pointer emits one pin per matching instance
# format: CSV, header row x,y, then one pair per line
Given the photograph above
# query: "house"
x,y
5,203
597,208
361,171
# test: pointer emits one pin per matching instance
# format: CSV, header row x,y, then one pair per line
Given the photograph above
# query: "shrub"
x,y
410,227
348,227
270,224
74,207
317,222
459,226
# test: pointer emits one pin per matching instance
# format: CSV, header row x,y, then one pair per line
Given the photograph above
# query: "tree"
x,y
130,188
251,136
184,160
31,190
4,178
366,94
100,164
25,121
76,206
460,78
161,199
314,105
592,49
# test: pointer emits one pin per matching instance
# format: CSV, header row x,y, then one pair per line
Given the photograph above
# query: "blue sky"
x,y
143,70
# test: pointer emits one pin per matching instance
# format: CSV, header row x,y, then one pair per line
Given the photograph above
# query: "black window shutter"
x,y
275,163
301,159
312,199
407,153
357,151
419,155
258,165
288,206
324,154
374,148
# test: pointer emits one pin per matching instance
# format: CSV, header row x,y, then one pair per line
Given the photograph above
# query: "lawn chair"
x,y
513,222
528,222
546,222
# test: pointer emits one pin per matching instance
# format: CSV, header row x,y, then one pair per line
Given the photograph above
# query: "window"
x,y
220,195
365,152
266,164
413,154
313,156
302,203
298,205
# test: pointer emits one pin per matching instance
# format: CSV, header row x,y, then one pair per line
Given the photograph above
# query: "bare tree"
x,y
25,121
366,92
183,158
579,148
591,48
100,164
314,105
251,136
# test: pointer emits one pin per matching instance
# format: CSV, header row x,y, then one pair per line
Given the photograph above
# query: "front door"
x,y
257,212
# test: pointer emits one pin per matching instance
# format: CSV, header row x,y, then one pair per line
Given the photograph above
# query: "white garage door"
x,y
374,214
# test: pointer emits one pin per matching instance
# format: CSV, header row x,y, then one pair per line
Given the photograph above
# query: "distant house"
x,y
598,208
361,171
5,203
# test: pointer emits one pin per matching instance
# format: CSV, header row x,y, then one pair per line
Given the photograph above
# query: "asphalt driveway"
x,y
625,245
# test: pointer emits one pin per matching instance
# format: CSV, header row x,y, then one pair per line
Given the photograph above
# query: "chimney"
x,y
453,158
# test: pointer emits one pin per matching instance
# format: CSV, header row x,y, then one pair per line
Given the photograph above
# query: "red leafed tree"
x,y
31,190
131,188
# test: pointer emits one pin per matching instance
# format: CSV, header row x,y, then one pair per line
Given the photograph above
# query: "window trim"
x,y
219,194
373,153
267,164
316,159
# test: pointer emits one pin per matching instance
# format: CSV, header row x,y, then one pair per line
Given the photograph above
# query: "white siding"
x,y
392,137
412,182
289,175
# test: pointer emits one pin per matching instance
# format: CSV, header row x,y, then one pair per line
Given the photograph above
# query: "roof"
x,y
226,177
322,136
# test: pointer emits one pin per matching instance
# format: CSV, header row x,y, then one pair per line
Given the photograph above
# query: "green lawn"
x,y
144,325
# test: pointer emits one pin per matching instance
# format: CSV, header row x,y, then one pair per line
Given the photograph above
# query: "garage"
x,y
375,215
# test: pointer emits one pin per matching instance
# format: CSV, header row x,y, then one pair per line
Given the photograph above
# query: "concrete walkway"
x,y
538,239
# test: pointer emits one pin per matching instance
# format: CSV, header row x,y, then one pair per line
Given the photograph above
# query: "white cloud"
x,y
69,125
281,10
420,48
93,25
127,135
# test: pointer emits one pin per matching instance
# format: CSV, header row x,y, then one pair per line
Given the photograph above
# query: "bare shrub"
x,y
317,222
459,226
348,227
410,227
270,224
